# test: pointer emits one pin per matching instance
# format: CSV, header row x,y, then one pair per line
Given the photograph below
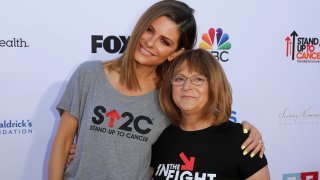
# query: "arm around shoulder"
x,y
262,174
61,145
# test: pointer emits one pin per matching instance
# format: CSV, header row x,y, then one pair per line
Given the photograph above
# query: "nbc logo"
x,y
222,43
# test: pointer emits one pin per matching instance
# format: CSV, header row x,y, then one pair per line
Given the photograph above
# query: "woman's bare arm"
x,y
61,145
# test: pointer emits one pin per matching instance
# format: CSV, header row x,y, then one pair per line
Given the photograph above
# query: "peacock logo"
x,y
222,40
217,42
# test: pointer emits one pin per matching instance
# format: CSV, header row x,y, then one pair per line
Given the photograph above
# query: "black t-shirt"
x,y
213,153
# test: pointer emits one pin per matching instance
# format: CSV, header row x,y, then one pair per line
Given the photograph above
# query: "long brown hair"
x,y
178,12
218,106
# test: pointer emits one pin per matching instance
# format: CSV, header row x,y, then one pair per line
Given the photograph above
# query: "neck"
x,y
147,78
193,122
145,73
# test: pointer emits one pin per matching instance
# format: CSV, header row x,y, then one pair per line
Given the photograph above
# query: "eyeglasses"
x,y
180,80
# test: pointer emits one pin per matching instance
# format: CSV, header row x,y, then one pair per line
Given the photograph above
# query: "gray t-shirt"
x,y
115,131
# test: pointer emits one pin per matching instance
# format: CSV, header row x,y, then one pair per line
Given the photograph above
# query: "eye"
x,y
179,78
200,79
165,42
149,29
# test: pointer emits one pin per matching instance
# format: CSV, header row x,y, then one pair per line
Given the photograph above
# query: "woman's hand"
x,y
72,152
254,143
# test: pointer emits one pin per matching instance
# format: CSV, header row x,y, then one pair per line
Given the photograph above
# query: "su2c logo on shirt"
x,y
129,123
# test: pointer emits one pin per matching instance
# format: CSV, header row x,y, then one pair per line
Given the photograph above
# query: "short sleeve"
x,y
75,94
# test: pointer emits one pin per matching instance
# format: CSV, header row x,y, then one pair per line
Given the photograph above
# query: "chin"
x,y
186,109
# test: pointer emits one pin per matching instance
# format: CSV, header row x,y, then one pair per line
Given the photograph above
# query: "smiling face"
x,y
190,98
211,100
158,43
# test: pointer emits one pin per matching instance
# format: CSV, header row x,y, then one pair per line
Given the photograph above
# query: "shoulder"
x,y
90,65
170,129
168,132
231,127
88,69
232,130
168,135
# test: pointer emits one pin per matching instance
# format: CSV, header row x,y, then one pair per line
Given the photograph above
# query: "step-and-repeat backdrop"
x,y
270,51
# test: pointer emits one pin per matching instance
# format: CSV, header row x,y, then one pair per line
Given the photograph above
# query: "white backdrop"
x,y
42,42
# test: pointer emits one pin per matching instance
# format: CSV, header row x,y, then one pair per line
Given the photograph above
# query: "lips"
x,y
144,51
188,97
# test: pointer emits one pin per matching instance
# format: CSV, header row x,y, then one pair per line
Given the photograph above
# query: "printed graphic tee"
x,y
115,131
213,153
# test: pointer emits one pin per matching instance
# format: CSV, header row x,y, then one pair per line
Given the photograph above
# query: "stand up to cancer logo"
x,y
302,49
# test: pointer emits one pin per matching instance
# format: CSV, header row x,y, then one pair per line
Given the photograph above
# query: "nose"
x,y
187,84
151,40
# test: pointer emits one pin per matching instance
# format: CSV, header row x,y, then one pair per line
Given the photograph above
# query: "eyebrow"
x,y
179,74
